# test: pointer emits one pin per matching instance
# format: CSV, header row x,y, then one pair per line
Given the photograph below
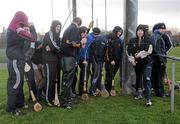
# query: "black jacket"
x,y
134,47
52,54
114,49
70,36
16,43
98,48
159,46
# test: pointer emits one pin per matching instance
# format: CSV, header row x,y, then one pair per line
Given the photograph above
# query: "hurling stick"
x,y
56,99
37,106
85,95
104,92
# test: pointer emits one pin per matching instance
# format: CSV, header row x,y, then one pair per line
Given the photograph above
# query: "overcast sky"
x,y
39,12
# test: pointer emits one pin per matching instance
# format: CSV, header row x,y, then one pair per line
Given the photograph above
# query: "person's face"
x,y
162,30
140,33
84,34
119,33
58,28
26,28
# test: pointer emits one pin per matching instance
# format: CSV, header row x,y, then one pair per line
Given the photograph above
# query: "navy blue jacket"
x,y
98,48
70,36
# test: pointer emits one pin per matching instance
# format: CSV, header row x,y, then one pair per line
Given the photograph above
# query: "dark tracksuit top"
x,y
114,52
15,55
69,59
50,63
97,54
70,35
159,63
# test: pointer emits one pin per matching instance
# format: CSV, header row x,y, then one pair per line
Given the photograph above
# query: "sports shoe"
x,y
25,106
138,97
17,113
148,103
49,104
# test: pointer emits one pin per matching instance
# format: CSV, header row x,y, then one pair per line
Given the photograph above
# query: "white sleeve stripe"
x,y
54,43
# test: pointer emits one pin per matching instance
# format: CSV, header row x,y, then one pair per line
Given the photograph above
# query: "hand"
x,y
137,56
77,45
132,60
134,63
85,62
91,24
48,48
113,63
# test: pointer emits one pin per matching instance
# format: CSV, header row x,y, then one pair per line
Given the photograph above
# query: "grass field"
x,y
2,55
122,109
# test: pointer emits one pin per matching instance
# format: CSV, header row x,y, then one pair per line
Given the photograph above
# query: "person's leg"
x,y
161,78
69,70
81,78
94,76
14,84
147,82
108,76
52,73
73,92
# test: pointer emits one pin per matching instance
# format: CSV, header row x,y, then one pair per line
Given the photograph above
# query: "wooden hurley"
x,y
37,106
56,99
104,92
85,96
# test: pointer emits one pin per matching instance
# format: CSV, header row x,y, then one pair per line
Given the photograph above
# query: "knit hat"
x,y
96,31
159,26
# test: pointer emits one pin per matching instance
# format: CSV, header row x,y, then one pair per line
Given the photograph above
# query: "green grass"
x,y
122,109
3,57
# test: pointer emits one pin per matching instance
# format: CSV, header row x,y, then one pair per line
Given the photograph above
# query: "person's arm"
x,y
159,49
168,42
74,38
26,35
50,44
129,53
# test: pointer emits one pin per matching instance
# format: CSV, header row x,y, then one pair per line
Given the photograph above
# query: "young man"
x,y
71,43
97,54
159,63
16,35
50,52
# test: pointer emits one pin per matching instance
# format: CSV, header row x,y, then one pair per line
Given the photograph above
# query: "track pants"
x,y
15,95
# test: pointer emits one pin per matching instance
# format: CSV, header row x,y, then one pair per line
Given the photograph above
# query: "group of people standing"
x,y
145,53
42,62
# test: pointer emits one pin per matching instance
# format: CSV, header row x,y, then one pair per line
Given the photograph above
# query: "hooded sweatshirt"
x,y
51,43
16,36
